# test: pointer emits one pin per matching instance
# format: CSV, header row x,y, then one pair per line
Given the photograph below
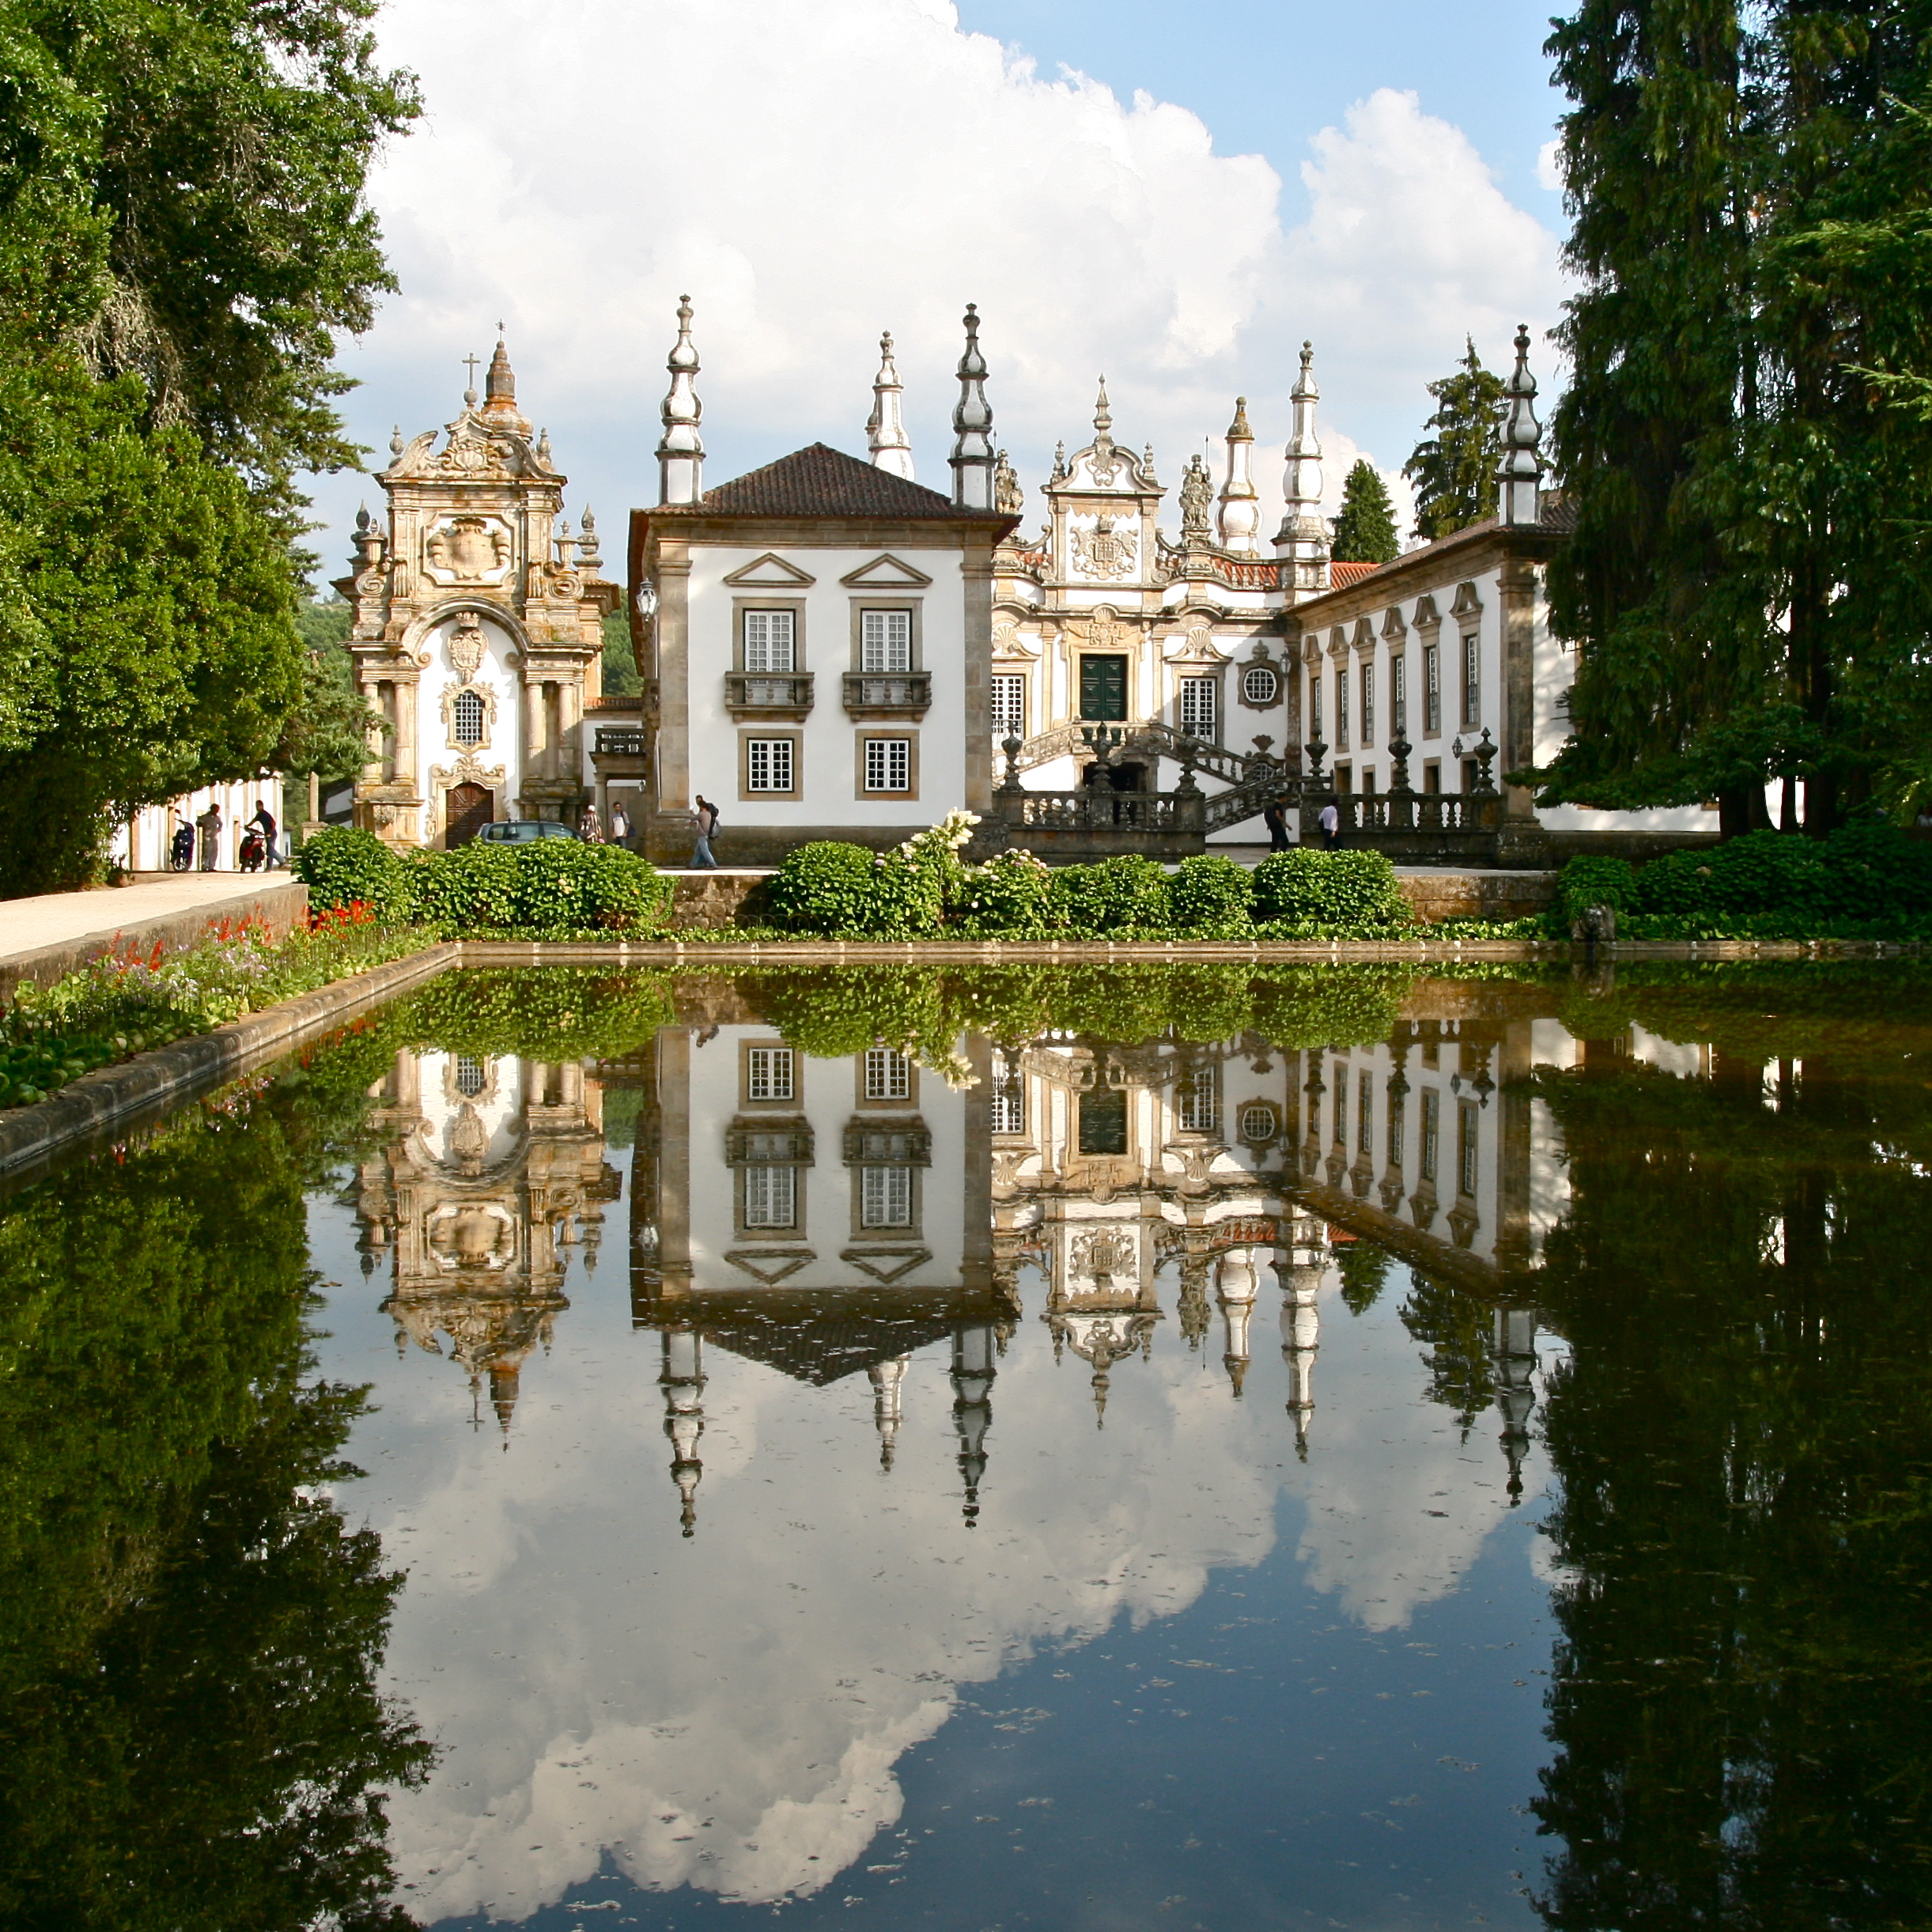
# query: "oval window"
x,y
1260,685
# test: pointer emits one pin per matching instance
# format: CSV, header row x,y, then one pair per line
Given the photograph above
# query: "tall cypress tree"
x,y
1365,531
1746,583
1454,468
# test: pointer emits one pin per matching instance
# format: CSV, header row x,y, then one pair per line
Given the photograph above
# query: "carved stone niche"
x,y
469,546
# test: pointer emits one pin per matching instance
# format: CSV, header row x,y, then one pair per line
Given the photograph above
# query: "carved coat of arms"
x,y
1104,551
469,548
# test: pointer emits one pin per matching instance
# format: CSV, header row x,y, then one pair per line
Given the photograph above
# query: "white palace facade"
x,y
829,649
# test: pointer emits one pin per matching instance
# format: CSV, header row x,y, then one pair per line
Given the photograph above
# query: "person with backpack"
x,y
701,859
1274,816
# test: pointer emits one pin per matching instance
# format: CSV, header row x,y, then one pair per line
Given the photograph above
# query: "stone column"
x,y
668,837
570,731
674,1209
976,572
1516,742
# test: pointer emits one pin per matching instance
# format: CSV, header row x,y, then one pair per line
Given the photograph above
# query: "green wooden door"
x,y
1103,687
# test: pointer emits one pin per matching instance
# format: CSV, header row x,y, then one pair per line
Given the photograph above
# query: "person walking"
x,y
620,826
264,823
209,825
701,859
590,827
1274,816
1331,824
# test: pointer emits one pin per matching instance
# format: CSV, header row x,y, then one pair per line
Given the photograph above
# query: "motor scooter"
x,y
181,849
254,850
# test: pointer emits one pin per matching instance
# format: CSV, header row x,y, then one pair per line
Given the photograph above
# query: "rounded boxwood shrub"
x,y
1763,872
562,885
1121,898
1209,897
1008,897
341,865
1351,889
826,886
470,890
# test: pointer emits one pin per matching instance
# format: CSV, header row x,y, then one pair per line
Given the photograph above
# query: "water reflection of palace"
x,y
831,1217
491,1170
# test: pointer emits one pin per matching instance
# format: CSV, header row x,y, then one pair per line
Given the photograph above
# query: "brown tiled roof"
x,y
820,481
1341,575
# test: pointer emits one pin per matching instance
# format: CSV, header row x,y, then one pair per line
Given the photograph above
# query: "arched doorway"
x,y
467,810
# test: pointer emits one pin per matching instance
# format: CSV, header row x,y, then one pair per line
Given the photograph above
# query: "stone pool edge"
x,y
102,1105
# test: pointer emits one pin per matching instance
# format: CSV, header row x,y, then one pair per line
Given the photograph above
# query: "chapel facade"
x,y
478,628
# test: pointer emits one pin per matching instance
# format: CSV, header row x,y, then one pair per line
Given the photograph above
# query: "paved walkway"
x,y
52,933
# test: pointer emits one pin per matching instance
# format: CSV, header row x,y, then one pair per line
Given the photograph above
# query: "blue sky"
x,y
1174,198
1266,74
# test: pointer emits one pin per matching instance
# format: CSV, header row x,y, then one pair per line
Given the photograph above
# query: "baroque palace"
x,y
829,649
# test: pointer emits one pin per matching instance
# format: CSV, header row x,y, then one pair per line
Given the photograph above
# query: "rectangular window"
x,y
1432,690
885,641
1198,706
1431,1132
1398,696
1103,688
1368,705
768,1073
1341,708
1396,1124
771,1196
770,641
888,764
1314,707
1465,1148
768,764
888,1075
1009,1109
1198,1101
885,1197
1365,1114
1338,1080
1009,706
1471,680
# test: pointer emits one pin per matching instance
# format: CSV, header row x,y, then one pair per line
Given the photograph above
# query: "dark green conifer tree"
x,y
1365,531
1750,189
1454,468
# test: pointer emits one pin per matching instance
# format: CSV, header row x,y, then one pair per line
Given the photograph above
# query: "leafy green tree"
x,y
183,230
192,1731
1365,531
148,641
1453,467
1749,576
327,732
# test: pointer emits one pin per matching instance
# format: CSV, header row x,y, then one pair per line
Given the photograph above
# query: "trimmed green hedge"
x,y
1350,890
554,888
1866,880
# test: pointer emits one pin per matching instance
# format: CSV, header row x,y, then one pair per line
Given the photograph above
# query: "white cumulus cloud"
x,y
812,175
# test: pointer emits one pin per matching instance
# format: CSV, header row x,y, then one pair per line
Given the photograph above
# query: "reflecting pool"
x,y
1130,1448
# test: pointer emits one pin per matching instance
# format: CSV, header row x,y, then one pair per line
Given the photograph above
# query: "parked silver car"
x,y
523,831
